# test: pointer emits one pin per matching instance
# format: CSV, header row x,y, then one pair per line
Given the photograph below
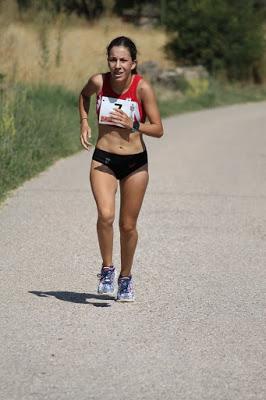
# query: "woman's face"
x,y
120,63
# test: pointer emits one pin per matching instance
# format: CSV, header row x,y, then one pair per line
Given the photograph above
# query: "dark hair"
x,y
125,42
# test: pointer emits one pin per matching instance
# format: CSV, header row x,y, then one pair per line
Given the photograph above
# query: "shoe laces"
x,y
124,284
106,275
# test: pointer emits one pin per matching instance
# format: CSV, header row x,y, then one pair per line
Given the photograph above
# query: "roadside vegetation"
x,y
38,125
47,54
216,95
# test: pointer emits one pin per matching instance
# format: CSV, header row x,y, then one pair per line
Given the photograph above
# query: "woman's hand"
x,y
85,134
120,117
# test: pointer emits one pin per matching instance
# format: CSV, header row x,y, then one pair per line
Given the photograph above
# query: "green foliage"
x,y
217,94
139,7
88,8
219,34
91,8
120,5
38,125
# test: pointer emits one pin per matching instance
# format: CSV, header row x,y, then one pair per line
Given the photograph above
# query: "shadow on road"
x,y
74,297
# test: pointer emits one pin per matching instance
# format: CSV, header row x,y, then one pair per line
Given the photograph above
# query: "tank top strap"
x,y
136,80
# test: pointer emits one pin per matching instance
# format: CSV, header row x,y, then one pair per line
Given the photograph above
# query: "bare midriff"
x,y
119,140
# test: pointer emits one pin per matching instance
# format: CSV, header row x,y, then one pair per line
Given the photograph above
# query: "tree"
x,y
89,8
219,34
137,5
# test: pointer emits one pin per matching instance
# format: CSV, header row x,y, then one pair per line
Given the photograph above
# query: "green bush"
x,y
219,34
89,8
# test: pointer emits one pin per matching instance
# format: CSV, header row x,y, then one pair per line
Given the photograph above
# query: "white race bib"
x,y
108,104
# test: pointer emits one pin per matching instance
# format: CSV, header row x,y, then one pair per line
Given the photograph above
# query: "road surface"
x,y
197,329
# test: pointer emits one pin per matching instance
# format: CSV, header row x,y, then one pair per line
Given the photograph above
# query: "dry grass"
x,y
82,50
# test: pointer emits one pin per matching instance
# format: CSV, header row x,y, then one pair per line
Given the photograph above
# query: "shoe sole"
x,y
108,293
126,300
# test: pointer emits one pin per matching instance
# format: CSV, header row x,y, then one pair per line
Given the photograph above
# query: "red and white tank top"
x,y
107,100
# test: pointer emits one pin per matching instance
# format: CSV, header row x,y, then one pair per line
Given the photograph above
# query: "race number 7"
x,y
119,106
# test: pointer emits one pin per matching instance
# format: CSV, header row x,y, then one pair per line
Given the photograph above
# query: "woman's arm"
x,y
93,86
148,98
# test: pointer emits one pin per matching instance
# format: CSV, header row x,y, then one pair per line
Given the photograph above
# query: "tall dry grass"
x,y
66,54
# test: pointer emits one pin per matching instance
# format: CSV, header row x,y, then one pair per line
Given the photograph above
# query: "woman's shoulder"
x,y
142,81
97,79
144,86
95,82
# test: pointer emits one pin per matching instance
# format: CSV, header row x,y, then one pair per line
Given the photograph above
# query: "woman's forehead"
x,y
119,51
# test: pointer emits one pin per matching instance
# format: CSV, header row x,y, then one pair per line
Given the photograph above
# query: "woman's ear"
x,y
134,64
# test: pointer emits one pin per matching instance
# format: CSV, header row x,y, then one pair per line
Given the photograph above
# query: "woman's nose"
x,y
117,65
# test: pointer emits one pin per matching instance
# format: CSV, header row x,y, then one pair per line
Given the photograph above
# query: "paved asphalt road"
x,y
197,328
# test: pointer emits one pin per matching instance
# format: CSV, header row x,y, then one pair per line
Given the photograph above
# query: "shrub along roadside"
x,y
38,125
217,94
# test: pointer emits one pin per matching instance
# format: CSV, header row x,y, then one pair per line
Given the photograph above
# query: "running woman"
x,y
123,102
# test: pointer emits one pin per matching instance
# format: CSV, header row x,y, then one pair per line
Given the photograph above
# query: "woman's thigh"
x,y
104,187
132,191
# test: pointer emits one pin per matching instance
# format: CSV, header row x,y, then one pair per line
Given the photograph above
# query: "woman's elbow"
x,y
160,132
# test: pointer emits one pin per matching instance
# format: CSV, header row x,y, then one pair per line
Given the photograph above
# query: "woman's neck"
x,y
121,87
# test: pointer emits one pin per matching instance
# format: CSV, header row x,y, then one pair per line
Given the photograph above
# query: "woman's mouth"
x,y
118,74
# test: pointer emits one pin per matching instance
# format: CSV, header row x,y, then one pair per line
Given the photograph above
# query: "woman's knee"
x,y
106,217
127,226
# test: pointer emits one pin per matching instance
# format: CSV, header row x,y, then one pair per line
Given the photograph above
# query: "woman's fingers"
x,y
85,137
84,144
118,114
119,117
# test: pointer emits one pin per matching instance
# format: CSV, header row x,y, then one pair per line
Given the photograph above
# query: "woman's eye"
x,y
113,60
